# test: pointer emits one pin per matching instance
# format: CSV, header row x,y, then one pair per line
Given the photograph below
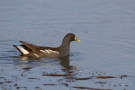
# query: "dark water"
x,y
107,32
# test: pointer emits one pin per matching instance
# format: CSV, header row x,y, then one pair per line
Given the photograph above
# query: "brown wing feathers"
x,y
30,47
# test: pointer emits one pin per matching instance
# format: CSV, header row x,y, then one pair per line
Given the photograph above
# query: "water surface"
x,y
105,28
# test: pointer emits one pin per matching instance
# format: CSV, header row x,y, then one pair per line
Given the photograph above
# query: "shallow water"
x,y
107,48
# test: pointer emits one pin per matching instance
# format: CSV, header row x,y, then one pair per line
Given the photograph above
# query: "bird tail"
x,y
21,50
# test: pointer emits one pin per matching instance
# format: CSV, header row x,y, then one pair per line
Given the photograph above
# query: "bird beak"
x,y
78,40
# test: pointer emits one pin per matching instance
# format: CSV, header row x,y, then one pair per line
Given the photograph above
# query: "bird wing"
x,y
31,47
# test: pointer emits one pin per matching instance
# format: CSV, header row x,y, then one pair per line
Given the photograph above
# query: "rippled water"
x,y
105,28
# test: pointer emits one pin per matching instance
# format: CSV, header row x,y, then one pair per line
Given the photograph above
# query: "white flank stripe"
x,y
23,50
43,51
57,52
47,51
53,51
36,55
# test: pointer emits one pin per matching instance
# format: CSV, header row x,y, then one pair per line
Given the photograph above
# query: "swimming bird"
x,y
31,50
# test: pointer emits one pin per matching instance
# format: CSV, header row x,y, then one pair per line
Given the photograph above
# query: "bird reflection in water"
x,y
63,61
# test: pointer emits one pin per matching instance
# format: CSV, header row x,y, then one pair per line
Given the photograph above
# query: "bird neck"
x,y
66,42
65,48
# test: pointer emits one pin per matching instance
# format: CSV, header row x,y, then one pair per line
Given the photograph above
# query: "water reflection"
x,y
65,63
30,62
